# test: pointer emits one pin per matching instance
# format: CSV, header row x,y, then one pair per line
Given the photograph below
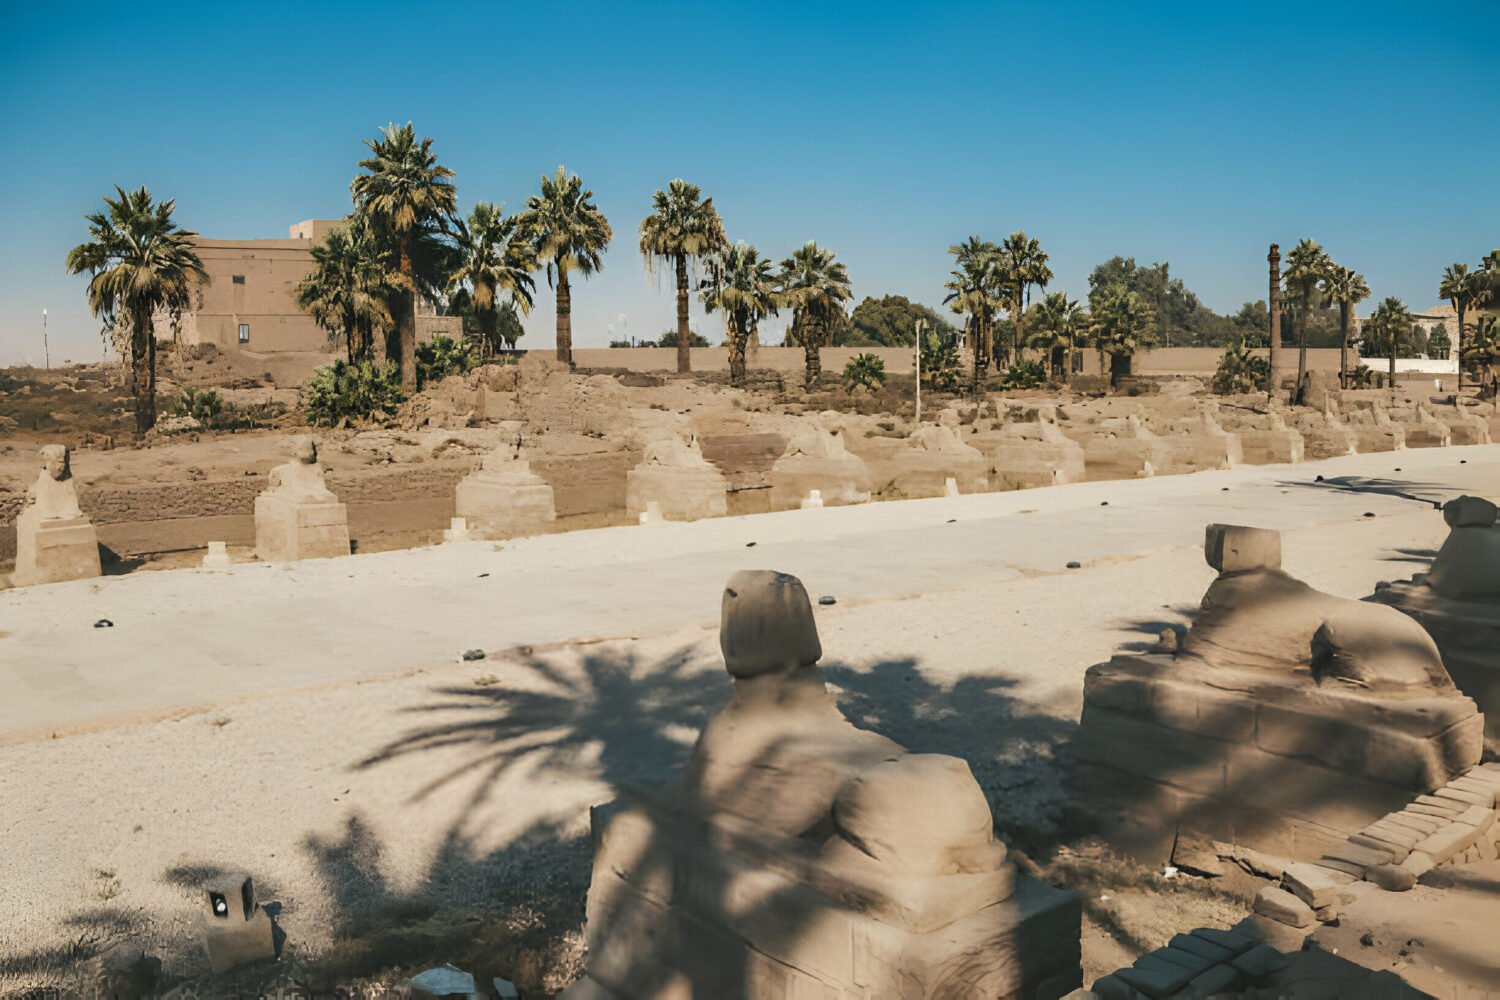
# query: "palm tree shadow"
x,y
1424,493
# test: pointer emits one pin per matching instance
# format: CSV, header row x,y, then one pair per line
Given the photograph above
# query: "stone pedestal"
x,y
52,550
217,556
504,504
1124,449
1027,455
818,460
1288,720
1275,444
675,475
288,529
935,454
1325,436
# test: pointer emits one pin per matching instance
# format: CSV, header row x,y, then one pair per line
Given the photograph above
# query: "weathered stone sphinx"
x,y
54,540
1198,442
936,453
817,458
1287,720
1421,429
1458,602
1025,455
1373,428
297,516
503,497
1324,433
801,856
1466,424
1124,448
1269,441
674,474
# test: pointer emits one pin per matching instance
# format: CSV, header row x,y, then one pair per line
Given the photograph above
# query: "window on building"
x,y
238,279
244,333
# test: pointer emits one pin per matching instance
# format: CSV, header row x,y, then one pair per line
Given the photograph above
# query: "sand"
x,y
313,725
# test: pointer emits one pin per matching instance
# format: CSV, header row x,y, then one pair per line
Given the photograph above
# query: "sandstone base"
x,y
1424,435
1245,756
1372,438
1197,452
1329,442
286,531
499,509
1022,464
1125,458
922,473
684,494
683,907
54,550
1271,447
839,483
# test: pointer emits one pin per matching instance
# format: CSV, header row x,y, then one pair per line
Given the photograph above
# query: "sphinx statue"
x,y
817,458
800,855
935,453
674,474
503,497
297,516
54,540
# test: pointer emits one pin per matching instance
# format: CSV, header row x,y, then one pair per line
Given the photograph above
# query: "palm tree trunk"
x,y
142,371
684,334
1067,371
1018,325
407,323
737,338
1458,308
564,318
1393,361
1343,345
812,344
1301,350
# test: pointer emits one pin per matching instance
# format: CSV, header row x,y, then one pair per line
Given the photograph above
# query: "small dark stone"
x,y
1223,489
827,599
104,623
1104,503
1369,514
1463,461
473,654
1398,469
749,545
1367,939
1075,565
483,575
1318,479
952,520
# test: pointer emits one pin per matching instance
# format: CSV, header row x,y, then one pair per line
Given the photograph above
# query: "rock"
x,y
1282,906
443,982
473,654
505,989
1310,884
1418,863
1260,961
1232,548
767,624
1392,878
1450,840
104,623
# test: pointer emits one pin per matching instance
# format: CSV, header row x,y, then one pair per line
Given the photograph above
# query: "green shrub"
x,y
1240,371
1361,377
941,368
444,356
343,391
866,370
203,405
1024,375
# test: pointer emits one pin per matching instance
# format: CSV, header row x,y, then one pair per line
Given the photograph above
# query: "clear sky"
x,y
1195,133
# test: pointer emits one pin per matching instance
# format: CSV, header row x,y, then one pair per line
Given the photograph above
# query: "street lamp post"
x,y
921,326
46,350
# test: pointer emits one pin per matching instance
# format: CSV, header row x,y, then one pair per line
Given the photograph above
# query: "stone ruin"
x,y
1265,438
1458,602
1324,433
1197,442
1372,427
54,540
936,453
801,856
1026,454
1422,429
1124,448
297,516
817,459
1286,720
674,475
503,497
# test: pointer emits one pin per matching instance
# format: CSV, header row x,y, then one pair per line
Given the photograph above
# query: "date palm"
x,y
683,228
1306,267
1059,324
141,265
1388,329
568,233
741,284
1348,288
494,260
974,292
1457,287
1122,322
1021,263
405,191
349,290
815,286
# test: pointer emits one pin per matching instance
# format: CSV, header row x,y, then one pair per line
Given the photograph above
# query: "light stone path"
x,y
187,639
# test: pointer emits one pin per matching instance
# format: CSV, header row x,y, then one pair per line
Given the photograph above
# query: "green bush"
x,y
343,391
1024,375
1240,371
203,405
1361,377
866,370
941,368
444,356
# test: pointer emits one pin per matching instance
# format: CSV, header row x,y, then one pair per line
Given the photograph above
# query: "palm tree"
x,y
568,233
1122,322
1020,264
742,284
1457,287
1348,288
1387,329
141,264
682,229
407,192
1306,266
1059,322
815,286
973,292
494,259
349,291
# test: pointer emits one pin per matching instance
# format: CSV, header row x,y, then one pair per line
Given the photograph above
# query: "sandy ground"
x,y
310,723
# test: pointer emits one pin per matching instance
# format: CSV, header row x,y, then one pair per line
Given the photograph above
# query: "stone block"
x,y
1204,710
1203,947
1232,548
54,550
1465,797
1184,958
495,507
1390,833
1283,907
1261,961
1450,840
1397,852
289,530
1119,692
236,931
1310,884
1358,855
1182,760
1330,741
1217,980
1415,822
1392,878
1439,806
1481,818
1155,981
1235,941
685,494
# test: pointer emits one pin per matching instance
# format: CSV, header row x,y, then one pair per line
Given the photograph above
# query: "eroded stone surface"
x,y
503,497
674,474
54,540
297,516
817,458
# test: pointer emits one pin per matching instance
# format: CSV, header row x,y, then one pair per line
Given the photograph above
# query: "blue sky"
x,y
1194,133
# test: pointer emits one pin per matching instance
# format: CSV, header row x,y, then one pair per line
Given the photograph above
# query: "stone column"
x,y
1274,257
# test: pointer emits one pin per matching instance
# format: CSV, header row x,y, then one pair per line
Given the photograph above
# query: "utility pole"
x,y
1274,259
921,328
46,350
